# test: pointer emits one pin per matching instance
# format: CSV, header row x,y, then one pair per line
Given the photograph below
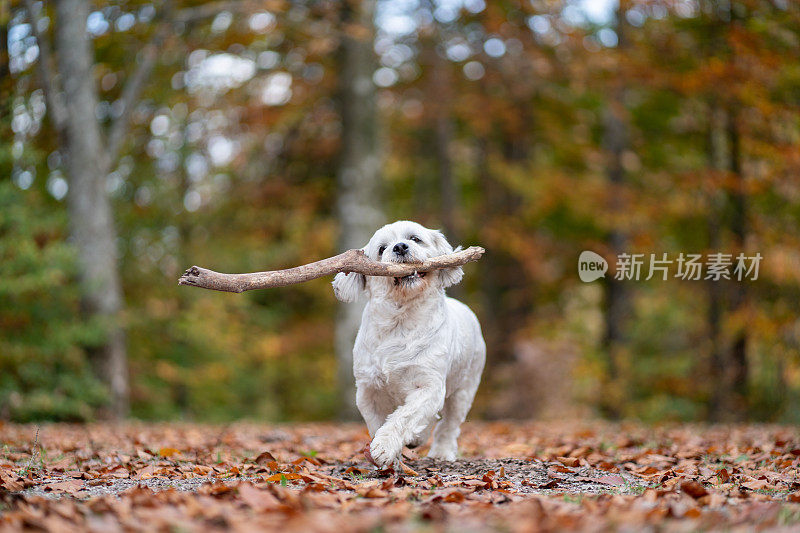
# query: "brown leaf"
x,y
693,489
609,467
433,512
257,499
407,470
693,512
306,459
217,489
373,492
10,481
569,461
756,484
70,486
264,458
616,481
454,496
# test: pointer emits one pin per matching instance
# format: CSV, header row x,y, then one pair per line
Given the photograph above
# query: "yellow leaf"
x,y
168,452
276,478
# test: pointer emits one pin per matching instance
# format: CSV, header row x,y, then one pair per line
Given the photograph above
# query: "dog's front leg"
x,y
420,406
371,408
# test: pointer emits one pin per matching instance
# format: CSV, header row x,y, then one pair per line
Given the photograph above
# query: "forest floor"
x,y
513,476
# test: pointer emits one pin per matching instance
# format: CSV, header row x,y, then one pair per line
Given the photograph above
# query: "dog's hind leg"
x,y
445,435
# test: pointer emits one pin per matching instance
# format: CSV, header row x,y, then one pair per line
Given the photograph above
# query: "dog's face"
x,y
400,242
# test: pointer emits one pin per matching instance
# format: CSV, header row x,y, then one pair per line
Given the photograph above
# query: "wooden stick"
x,y
349,261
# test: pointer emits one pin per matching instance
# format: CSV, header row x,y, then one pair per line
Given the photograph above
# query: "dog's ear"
x,y
348,287
447,276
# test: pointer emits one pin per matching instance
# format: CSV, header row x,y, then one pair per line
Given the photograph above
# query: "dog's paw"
x,y
385,450
443,453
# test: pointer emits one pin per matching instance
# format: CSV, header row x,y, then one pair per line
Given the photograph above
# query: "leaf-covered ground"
x,y
513,476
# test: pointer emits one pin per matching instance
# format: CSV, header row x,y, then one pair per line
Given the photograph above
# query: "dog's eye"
x,y
381,250
415,239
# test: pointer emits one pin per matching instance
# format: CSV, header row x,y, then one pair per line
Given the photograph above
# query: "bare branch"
x,y
148,59
192,14
349,261
130,94
47,72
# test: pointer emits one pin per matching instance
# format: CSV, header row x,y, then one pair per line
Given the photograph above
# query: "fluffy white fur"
x,y
419,354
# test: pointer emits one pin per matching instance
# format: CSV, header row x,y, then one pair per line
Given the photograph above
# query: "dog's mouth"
x,y
409,280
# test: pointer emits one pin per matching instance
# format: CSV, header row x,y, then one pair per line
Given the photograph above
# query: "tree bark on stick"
x,y
349,261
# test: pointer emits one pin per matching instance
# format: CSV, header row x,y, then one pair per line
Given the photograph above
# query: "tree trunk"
x,y
6,93
358,206
738,294
617,295
719,403
91,220
439,98
728,401
508,293
448,192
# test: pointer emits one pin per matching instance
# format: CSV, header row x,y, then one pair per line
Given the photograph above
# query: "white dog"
x,y
419,355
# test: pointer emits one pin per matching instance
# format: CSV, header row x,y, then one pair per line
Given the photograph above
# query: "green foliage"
x,y
44,374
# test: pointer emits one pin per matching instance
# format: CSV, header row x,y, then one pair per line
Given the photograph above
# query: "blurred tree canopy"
x,y
535,128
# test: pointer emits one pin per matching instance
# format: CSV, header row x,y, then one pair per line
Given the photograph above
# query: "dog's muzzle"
x,y
401,252
411,279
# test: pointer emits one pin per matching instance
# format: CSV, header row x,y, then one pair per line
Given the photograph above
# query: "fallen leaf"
x,y
168,452
276,478
407,470
257,499
756,484
693,489
70,486
553,483
616,481
264,458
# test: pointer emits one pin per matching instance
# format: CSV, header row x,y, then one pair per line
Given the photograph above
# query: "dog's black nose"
x,y
400,248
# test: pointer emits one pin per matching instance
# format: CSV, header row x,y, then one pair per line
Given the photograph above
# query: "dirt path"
x,y
517,476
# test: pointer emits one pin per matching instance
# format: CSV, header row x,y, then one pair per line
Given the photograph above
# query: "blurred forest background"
x,y
141,137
